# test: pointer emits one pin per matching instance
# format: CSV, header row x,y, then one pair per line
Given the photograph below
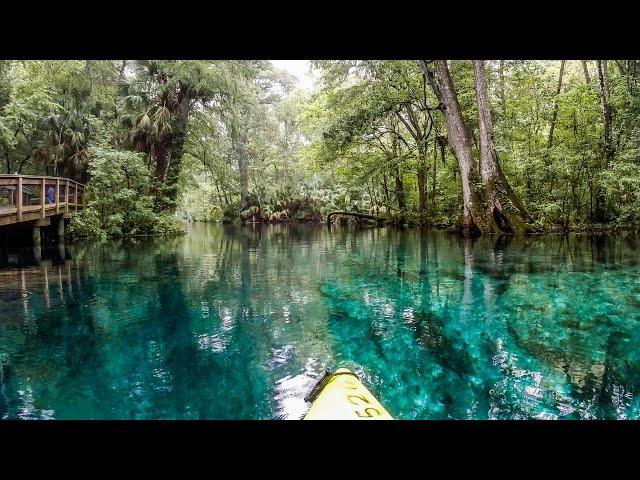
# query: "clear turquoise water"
x,y
239,323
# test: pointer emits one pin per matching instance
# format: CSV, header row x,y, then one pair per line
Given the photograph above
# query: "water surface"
x,y
238,323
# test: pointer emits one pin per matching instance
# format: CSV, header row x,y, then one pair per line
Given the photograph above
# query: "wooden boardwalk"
x,y
26,198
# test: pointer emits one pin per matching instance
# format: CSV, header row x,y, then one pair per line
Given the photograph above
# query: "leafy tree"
x,y
120,198
158,103
235,140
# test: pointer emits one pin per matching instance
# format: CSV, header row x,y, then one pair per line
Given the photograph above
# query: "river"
x,y
239,322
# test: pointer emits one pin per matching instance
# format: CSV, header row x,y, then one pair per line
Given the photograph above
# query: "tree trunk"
x,y
554,115
585,69
459,139
385,187
422,187
420,134
503,103
504,212
24,160
433,178
220,201
606,108
608,150
399,183
240,148
400,191
89,73
422,198
160,152
6,155
179,131
123,67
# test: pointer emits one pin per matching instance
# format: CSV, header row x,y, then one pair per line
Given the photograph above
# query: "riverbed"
x,y
239,323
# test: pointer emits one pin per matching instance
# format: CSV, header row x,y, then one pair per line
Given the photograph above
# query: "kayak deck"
x,y
342,396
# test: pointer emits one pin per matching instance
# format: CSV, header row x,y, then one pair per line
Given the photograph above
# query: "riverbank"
x,y
173,226
547,229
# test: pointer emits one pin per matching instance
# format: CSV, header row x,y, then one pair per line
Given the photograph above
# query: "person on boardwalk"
x,y
51,195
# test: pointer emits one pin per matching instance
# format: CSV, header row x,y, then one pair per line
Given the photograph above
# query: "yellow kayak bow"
x,y
342,396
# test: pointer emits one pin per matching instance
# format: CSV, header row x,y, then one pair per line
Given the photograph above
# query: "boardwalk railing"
x,y
26,198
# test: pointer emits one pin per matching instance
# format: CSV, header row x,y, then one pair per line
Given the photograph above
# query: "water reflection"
x,y
240,322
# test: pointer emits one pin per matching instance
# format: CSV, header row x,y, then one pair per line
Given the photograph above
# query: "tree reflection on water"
x,y
239,322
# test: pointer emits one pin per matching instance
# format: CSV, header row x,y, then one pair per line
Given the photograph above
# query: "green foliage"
x,y
87,224
120,198
622,184
151,137
559,179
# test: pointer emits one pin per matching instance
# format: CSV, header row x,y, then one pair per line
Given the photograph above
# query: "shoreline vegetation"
x,y
596,228
180,229
589,230
469,146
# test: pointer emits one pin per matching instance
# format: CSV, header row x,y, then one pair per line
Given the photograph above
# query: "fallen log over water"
x,y
357,215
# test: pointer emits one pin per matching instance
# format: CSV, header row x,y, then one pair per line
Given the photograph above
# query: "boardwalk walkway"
x,y
39,198
32,201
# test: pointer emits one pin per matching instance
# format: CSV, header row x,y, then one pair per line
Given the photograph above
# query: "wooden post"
x,y
4,242
66,196
61,251
42,199
60,229
57,196
19,199
75,199
35,234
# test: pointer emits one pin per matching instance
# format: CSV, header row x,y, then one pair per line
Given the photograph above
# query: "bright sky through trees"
x,y
300,68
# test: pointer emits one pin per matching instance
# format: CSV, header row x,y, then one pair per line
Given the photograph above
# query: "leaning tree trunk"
x,y
459,138
503,210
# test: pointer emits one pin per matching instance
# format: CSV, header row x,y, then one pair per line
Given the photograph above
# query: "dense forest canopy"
x,y
491,146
